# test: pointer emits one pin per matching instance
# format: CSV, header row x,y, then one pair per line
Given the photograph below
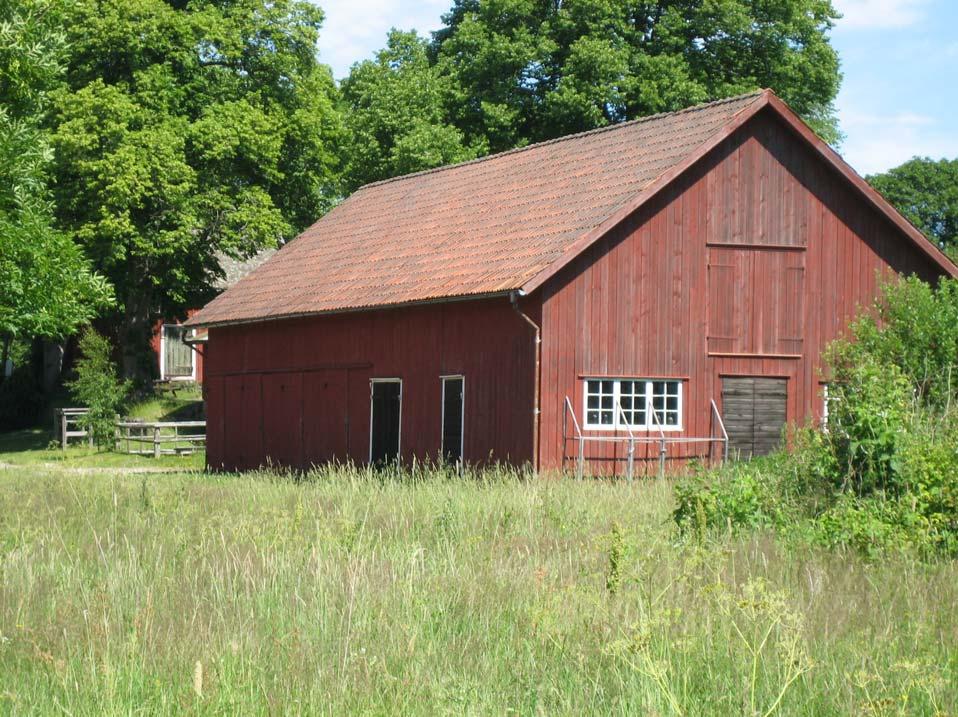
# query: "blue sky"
x,y
899,95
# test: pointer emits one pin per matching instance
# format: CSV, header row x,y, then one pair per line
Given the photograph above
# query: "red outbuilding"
x,y
609,295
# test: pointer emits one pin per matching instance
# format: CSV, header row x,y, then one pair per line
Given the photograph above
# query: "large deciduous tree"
x,y
46,286
397,114
511,72
188,129
534,69
926,192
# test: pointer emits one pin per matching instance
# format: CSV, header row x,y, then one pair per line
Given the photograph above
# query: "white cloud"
x,y
355,29
876,143
880,13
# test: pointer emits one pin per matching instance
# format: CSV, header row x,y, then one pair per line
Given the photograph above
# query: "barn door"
x,y
753,409
452,415
384,420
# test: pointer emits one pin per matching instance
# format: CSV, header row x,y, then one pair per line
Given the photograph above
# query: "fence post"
x,y
631,458
63,429
156,441
662,458
580,468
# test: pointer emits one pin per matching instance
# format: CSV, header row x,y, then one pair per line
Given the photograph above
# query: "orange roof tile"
x,y
477,228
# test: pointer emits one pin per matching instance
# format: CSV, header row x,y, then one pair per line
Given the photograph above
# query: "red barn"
x,y
639,281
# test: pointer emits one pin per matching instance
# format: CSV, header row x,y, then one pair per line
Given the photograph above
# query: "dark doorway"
x,y
453,388
384,421
753,408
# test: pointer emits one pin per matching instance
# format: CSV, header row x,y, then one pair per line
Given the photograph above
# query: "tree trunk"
x,y
136,330
4,355
52,364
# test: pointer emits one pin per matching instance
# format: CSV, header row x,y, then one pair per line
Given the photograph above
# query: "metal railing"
x,y
630,439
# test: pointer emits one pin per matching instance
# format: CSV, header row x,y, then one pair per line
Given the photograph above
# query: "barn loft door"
x,y
177,356
384,420
452,405
753,409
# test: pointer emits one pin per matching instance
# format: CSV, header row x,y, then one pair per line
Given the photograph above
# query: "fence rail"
x,y
160,437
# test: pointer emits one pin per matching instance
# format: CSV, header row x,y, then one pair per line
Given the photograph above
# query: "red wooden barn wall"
x,y
296,392
794,252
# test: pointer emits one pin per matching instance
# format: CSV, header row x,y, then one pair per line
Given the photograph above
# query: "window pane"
x,y
665,402
593,402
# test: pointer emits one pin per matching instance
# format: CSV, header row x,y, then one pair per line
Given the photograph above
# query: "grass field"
x,y
346,593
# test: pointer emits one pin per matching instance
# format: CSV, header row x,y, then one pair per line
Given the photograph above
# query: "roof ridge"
x,y
564,138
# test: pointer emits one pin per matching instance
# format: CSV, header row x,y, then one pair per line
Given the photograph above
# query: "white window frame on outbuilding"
x,y
163,340
638,398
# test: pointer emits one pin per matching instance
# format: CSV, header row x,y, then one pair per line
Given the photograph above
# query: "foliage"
x,y
188,129
883,474
914,327
345,593
529,70
20,400
46,286
397,114
98,388
926,192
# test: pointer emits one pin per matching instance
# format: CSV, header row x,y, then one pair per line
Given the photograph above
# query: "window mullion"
x,y
616,393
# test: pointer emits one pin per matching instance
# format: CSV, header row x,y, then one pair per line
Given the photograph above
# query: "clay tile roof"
x,y
477,228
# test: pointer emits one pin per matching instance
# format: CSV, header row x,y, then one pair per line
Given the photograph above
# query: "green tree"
x,y
397,114
926,192
46,286
187,129
98,388
530,70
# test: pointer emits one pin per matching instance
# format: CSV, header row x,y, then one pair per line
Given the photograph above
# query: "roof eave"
x,y
196,321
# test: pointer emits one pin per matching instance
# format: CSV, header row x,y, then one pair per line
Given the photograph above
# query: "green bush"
x,y
98,388
20,400
883,474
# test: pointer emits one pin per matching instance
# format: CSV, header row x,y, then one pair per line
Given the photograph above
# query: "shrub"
x,y
20,400
869,414
97,387
883,475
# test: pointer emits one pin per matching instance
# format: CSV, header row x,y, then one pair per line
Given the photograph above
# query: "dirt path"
x,y
96,470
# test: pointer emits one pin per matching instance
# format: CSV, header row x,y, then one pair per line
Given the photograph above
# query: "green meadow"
x,y
494,593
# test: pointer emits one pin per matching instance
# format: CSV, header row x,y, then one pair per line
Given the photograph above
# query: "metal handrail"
x,y
662,439
721,423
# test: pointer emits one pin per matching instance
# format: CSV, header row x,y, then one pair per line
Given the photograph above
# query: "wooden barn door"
x,y
753,408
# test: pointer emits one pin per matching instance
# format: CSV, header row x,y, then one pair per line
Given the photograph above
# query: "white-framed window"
x,y
637,403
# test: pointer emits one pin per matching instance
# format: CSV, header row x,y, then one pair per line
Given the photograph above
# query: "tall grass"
x,y
346,593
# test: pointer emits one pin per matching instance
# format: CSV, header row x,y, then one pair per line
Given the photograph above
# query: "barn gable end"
x,y
747,265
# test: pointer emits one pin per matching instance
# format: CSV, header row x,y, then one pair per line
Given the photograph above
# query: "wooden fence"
x,y
160,437
66,425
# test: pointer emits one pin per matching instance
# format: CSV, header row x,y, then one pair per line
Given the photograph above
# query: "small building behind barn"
x,y
659,282
178,348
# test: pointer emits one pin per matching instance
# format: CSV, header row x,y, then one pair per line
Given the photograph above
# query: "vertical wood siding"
x,y
296,393
748,265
